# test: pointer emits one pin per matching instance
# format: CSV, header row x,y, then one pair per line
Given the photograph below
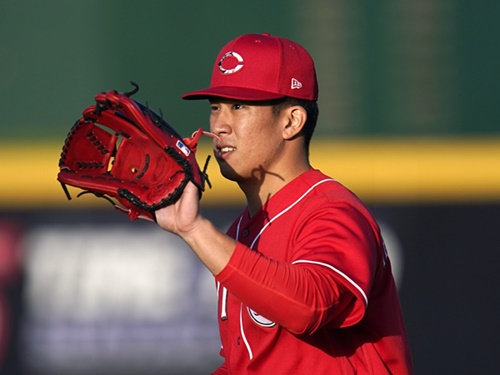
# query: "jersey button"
x,y
245,233
238,340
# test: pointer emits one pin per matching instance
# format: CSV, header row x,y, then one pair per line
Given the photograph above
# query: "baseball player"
x,y
303,278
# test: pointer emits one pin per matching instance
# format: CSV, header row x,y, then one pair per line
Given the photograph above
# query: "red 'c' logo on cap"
x,y
228,65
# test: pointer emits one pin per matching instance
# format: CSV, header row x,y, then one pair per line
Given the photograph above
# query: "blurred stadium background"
x,y
409,121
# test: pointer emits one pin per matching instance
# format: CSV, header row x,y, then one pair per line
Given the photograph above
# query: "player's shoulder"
x,y
327,188
326,193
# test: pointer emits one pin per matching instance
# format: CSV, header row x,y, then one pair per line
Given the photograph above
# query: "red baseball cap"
x,y
259,67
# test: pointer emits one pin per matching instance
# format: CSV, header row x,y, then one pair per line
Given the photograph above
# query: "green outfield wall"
x,y
408,90
385,68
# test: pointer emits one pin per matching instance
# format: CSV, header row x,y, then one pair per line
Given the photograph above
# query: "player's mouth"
x,y
224,151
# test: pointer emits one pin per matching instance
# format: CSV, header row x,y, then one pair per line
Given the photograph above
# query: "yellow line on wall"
x,y
418,170
377,170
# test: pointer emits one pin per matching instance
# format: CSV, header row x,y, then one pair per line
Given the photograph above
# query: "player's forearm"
x,y
300,298
213,247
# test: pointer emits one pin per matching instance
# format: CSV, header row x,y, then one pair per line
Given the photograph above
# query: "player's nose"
x,y
220,123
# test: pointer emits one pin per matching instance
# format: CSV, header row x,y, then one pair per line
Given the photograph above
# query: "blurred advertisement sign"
x,y
115,298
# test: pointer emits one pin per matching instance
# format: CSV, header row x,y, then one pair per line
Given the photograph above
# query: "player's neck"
x,y
266,184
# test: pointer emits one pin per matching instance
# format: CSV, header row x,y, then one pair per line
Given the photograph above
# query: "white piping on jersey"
x,y
238,228
243,333
340,273
287,209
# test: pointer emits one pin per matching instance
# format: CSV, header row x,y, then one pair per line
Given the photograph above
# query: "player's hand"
x,y
182,216
184,219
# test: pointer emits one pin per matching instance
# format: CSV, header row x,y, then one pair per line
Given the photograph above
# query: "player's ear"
x,y
296,117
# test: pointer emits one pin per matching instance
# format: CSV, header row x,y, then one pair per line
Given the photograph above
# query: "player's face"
x,y
251,141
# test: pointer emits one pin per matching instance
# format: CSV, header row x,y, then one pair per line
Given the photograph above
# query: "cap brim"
x,y
229,92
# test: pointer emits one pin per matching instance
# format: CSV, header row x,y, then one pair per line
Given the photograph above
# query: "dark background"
x,y
448,288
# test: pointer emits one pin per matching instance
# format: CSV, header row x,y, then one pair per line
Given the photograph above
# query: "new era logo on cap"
x,y
260,67
296,84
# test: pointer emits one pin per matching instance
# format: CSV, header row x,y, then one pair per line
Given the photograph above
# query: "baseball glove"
x,y
124,152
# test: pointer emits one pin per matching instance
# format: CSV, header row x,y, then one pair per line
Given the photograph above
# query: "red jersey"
x,y
309,288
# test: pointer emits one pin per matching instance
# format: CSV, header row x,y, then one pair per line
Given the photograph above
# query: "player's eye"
x,y
237,106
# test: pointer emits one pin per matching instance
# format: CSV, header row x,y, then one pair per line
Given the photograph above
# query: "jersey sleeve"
x,y
346,240
325,281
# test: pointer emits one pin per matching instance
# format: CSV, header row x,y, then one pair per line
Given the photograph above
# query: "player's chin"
x,y
228,172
